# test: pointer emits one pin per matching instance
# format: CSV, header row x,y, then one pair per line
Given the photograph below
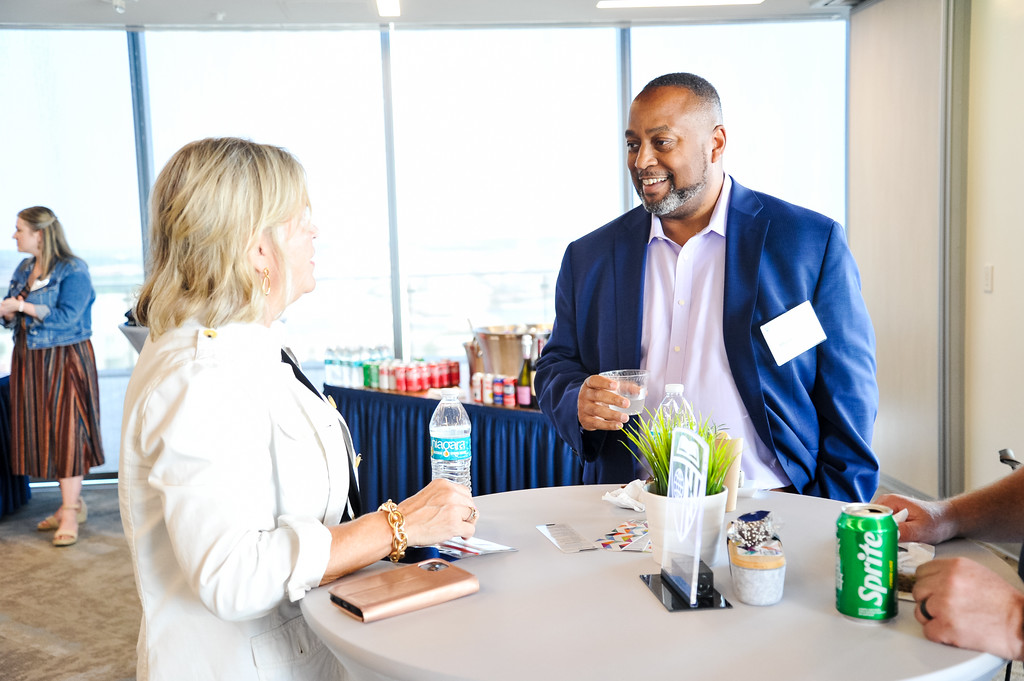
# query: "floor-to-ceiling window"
x,y
506,149
507,145
319,95
783,91
68,144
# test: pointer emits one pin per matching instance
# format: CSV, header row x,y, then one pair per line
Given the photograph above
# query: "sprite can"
x,y
866,566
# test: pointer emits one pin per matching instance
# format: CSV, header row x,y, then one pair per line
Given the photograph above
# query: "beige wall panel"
x,y
895,178
995,236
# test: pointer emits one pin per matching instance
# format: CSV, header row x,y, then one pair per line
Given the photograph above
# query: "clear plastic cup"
x,y
632,386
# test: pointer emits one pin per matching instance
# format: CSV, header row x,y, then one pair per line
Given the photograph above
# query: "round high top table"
x,y
544,614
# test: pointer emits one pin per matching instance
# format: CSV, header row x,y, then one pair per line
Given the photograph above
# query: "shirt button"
x,y
681,301
677,348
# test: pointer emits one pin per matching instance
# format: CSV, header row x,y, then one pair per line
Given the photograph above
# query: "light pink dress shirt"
x,y
683,341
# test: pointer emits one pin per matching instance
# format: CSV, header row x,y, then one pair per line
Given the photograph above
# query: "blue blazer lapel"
x,y
630,257
744,240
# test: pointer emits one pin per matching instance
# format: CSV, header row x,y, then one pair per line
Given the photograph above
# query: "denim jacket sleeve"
x,y
74,294
63,306
18,280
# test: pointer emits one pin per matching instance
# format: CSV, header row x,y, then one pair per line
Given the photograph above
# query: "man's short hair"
x,y
701,88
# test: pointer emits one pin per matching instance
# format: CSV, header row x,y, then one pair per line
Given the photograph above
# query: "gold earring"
x,y
265,286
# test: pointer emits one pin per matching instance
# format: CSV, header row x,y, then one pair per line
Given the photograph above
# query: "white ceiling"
x,y
363,13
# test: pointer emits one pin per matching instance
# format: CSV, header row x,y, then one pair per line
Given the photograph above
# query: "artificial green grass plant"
x,y
652,438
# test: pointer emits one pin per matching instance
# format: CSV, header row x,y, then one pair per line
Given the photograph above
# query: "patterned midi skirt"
x,y
55,411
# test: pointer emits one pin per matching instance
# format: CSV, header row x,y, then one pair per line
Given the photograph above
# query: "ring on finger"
x,y
473,515
924,609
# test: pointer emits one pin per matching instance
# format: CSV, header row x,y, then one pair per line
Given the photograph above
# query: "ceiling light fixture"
x,y
634,4
118,5
389,8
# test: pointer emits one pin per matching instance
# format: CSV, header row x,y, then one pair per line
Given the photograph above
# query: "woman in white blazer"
x,y
235,475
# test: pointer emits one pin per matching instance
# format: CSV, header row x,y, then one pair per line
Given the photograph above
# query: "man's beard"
x,y
677,199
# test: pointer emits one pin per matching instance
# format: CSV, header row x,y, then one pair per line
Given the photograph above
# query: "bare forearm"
x,y
356,544
10,306
991,513
436,513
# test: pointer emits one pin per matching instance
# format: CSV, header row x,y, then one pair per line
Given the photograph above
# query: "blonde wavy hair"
x,y
54,245
209,206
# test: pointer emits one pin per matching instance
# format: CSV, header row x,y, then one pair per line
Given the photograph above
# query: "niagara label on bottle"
x,y
449,448
451,453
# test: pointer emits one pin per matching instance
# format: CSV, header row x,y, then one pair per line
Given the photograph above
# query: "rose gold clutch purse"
x,y
404,589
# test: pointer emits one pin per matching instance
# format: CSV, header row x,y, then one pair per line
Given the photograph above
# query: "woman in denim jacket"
x,y
55,413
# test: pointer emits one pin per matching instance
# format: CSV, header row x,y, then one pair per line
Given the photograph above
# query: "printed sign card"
x,y
684,519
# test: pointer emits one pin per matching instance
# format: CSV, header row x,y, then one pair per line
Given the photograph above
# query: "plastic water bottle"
x,y
331,364
675,407
450,453
341,366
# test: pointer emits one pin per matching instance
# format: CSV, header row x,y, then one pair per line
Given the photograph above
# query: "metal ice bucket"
x,y
502,346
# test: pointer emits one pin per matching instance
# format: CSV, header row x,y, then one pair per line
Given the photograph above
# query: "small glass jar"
x,y
757,562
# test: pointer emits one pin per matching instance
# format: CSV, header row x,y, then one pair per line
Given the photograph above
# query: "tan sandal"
x,y
65,538
52,522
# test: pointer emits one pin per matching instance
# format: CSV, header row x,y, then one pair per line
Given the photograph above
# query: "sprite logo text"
x,y
449,449
871,557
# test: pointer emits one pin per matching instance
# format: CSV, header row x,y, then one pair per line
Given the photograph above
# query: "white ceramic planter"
x,y
712,533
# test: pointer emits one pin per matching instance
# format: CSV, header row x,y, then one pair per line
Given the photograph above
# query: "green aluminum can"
x,y
866,539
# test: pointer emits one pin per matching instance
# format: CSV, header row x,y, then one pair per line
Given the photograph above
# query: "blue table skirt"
x,y
512,448
14,489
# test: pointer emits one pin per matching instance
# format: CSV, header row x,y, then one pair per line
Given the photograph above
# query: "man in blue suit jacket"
x,y
811,415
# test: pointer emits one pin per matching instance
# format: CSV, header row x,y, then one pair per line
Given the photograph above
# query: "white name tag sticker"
x,y
793,333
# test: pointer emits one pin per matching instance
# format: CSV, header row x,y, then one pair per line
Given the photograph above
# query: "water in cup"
x,y
632,386
636,404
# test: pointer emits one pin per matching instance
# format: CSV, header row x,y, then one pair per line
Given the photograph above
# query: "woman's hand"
x,y
8,306
438,512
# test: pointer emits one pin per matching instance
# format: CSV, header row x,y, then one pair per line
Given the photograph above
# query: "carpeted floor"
x,y
67,613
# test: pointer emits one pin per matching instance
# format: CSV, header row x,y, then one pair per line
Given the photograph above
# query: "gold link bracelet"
x,y
397,522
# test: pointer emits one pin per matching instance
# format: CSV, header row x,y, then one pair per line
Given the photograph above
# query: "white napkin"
x,y
628,496
909,556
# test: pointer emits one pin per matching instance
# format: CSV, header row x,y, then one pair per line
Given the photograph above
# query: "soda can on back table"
x,y
498,389
412,378
866,567
509,391
488,388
